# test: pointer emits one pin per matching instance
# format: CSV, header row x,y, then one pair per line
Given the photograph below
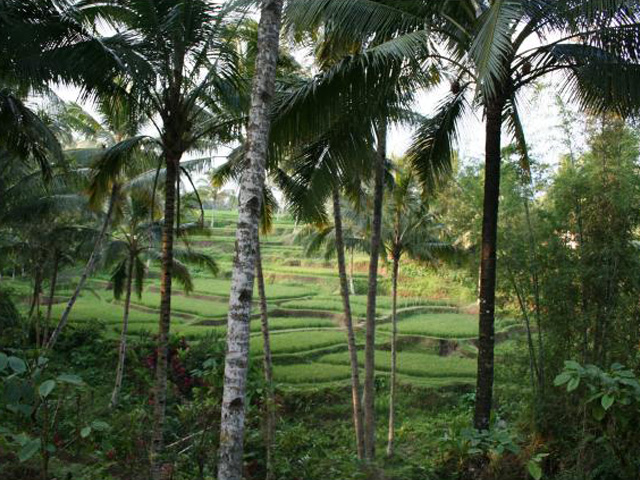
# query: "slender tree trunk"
x,y
122,351
352,287
533,367
484,387
394,351
35,299
536,286
52,294
348,320
164,326
230,466
37,286
270,410
87,269
370,343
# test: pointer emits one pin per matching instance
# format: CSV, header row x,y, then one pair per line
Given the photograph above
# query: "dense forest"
x,y
216,262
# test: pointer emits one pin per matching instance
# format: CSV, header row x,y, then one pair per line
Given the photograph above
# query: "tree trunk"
x,y
370,346
35,299
348,320
87,269
352,287
270,411
52,294
122,351
484,387
230,466
160,388
394,350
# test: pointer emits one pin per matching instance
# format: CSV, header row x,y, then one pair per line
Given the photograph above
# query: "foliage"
x,y
609,402
36,410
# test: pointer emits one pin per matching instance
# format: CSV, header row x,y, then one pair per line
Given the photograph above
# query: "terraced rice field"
x,y
308,340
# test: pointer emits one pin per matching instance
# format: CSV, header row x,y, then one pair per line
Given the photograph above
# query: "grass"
x,y
283,323
311,351
333,304
296,342
90,308
179,303
308,373
437,325
412,363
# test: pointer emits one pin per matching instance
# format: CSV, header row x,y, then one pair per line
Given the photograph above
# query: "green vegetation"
x,y
423,314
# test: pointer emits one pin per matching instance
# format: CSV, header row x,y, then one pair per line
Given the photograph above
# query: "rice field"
x,y
307,339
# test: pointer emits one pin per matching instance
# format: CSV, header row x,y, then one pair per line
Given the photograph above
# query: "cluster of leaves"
x,y
32,403
609,405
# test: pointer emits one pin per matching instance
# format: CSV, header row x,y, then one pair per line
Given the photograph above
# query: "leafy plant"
x,y
609,403
33,403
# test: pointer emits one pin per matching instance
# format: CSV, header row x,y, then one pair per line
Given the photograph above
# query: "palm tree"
x,y
487,44
125,154
251,191
412,231
333,236
180,72
133,243
47,41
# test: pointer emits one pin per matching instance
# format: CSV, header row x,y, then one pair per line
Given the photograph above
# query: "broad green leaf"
x,y
534,470
17,365
573,384
85,432
562,379
572,365
46,388
29,450
607,401
70,379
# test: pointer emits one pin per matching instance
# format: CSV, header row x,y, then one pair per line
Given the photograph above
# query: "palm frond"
x,y
431,153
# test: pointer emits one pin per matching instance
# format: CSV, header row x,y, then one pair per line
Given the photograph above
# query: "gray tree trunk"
x,y
270,404
230,466
394,352
348,320
87,269
370,343
122,351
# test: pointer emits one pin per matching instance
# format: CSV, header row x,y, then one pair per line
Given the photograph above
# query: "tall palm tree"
x,y
410,231
251,192
487,44
180,72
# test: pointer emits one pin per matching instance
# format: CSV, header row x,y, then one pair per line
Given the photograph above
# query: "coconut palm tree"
x,y
47,41
411,230
134,243
249,209
499,47
121,152
184,81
